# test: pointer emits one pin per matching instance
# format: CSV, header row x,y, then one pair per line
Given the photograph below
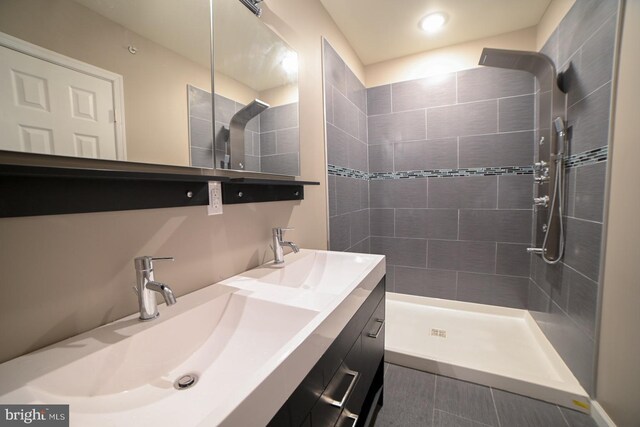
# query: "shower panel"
x,y
551,144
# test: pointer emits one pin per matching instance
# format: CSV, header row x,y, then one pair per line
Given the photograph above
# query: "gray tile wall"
x,y
279,142
200,127
563,297
346,124
461,238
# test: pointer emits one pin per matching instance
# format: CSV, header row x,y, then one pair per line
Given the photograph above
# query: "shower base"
x,y
494,346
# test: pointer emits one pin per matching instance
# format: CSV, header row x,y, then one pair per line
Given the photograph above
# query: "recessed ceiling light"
x,y
433,22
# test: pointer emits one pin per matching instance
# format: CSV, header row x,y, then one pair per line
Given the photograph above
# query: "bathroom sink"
x,y
317,271
248,342
128,363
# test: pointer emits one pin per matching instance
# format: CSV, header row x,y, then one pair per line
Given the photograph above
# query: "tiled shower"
x,y
437,175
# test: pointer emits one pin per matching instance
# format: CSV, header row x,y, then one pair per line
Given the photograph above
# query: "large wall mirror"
x,y
131,81
256,94
103,79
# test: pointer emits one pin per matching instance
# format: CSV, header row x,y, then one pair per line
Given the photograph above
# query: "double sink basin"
x,y
228,354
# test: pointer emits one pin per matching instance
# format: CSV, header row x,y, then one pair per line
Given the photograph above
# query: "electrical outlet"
x,y
215,198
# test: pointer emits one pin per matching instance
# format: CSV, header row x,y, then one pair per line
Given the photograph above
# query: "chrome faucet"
x,y
278,243
146,286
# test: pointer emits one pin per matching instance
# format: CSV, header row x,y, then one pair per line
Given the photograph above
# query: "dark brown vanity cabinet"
x,y
343,388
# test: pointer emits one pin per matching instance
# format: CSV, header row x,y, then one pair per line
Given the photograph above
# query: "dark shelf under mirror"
x,y
27,190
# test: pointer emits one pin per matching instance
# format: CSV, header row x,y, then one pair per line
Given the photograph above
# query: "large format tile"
x,y
338,143
463,192
363,133
487,83
339,234
589,121
379,100
427,283
200,103
423,93
589,191
503,149
398,193
281,164
516,113
288,140
281,117
579,24
201,158
583,302
424,155
505,291
381,158
359,225
427,223
515,192
347,195
335,72
516,410
382,222
200,133
356,92
268,145
407,126
408,398
401,251
596,62
445,419
479,257
345,114
554,279
224,109
513,259
331,189
506,226
465,399
358,157
577,419
582,247
475,118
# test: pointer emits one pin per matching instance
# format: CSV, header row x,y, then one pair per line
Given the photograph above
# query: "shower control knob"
x,y
541,201
540,165
541,179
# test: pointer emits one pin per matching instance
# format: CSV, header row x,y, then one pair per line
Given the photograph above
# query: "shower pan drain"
x,y
438,333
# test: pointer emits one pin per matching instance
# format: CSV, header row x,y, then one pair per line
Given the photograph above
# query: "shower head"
x,y
558,123
242,117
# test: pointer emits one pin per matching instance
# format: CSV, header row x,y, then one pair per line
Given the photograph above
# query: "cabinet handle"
x,y
353,417
376,333
341,402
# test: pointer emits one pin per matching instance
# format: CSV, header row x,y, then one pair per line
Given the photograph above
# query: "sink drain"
x,y
185,381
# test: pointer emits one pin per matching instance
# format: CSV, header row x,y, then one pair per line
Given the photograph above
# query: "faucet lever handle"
x,y
162,258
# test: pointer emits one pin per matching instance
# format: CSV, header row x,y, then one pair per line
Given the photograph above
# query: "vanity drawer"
x,y
329,380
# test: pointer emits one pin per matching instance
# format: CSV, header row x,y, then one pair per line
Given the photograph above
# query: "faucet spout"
x,y
163,290
295,248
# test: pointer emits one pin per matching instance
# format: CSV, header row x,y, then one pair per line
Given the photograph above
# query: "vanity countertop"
x,y
249,340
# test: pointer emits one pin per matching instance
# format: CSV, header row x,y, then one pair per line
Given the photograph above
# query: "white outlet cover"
x,y
215,198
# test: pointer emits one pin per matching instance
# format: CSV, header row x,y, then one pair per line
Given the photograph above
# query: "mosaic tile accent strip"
x,y
347,172
430,173
596,155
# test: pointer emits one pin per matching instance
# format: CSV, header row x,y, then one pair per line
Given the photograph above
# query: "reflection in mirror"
x,y
106,79
256,95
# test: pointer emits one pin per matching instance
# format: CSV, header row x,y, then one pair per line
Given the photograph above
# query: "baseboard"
x,y
600,416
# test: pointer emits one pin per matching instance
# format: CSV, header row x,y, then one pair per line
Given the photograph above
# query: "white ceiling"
x,y
379,30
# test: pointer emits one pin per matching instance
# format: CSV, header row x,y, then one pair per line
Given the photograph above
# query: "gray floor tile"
x,y
515,410
466,400
408,398
577,419
445,419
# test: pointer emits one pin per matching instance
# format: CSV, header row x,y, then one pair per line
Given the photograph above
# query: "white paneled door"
x,y
52,109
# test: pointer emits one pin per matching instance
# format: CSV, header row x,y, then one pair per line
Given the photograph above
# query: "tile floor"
x,y
415,398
